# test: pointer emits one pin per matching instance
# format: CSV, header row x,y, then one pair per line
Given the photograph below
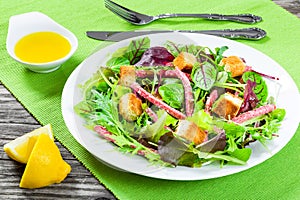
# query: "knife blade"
x,y
245,33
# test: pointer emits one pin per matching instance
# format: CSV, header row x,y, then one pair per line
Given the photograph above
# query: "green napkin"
x,y
276,178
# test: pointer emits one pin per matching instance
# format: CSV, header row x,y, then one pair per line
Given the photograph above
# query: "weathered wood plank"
x,y
292,6
15,121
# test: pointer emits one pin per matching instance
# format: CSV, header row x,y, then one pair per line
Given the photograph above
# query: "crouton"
x,y
233,64
227,106
127,75
185,61
130,107
191,132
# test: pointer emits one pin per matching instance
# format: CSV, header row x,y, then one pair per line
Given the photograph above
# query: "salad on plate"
x,y
179,104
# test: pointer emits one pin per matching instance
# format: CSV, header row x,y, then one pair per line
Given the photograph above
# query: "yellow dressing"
x,y
42,47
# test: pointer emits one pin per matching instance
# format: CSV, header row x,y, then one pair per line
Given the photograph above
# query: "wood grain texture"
x,y
292,6
15,121
80,184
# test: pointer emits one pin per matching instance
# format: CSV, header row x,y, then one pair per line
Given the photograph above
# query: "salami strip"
x,y
162,73
101,130
188,92
210,100
254,113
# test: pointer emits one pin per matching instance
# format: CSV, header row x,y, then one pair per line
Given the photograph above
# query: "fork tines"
x,y
121,11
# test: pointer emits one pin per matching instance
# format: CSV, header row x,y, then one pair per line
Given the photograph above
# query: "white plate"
x,y
288,99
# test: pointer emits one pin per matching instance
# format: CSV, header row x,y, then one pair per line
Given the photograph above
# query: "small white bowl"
x,y
27,23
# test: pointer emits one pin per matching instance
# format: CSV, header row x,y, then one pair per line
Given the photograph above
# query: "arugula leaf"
x,y
97,81
98,109
204,75
268,126
217,156
172,94
154,131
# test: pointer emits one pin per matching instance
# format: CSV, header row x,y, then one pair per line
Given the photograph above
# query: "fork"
x,y
136,18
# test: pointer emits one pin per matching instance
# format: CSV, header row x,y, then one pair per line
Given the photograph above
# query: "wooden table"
x,y
80,184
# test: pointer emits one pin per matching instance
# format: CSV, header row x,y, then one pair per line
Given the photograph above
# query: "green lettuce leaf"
x,y
172,94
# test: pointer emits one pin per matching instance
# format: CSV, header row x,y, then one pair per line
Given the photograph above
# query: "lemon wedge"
x,y
20,148
45,165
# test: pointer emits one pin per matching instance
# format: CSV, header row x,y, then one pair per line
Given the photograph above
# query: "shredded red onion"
x,y
249,69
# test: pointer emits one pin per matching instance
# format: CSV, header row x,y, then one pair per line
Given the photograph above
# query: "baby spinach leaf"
x,y
261,89
172,94
204,75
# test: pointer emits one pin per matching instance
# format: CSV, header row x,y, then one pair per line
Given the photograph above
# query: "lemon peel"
x,y
20,148
45,165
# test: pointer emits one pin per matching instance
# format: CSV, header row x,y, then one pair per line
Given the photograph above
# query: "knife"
x,y
245,33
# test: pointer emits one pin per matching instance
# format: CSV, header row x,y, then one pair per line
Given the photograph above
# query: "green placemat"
x,y
276,178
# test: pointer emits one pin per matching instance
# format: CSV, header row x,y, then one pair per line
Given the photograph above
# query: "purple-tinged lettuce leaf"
x,y
217,143
155,56
250,98
261,89
176,152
